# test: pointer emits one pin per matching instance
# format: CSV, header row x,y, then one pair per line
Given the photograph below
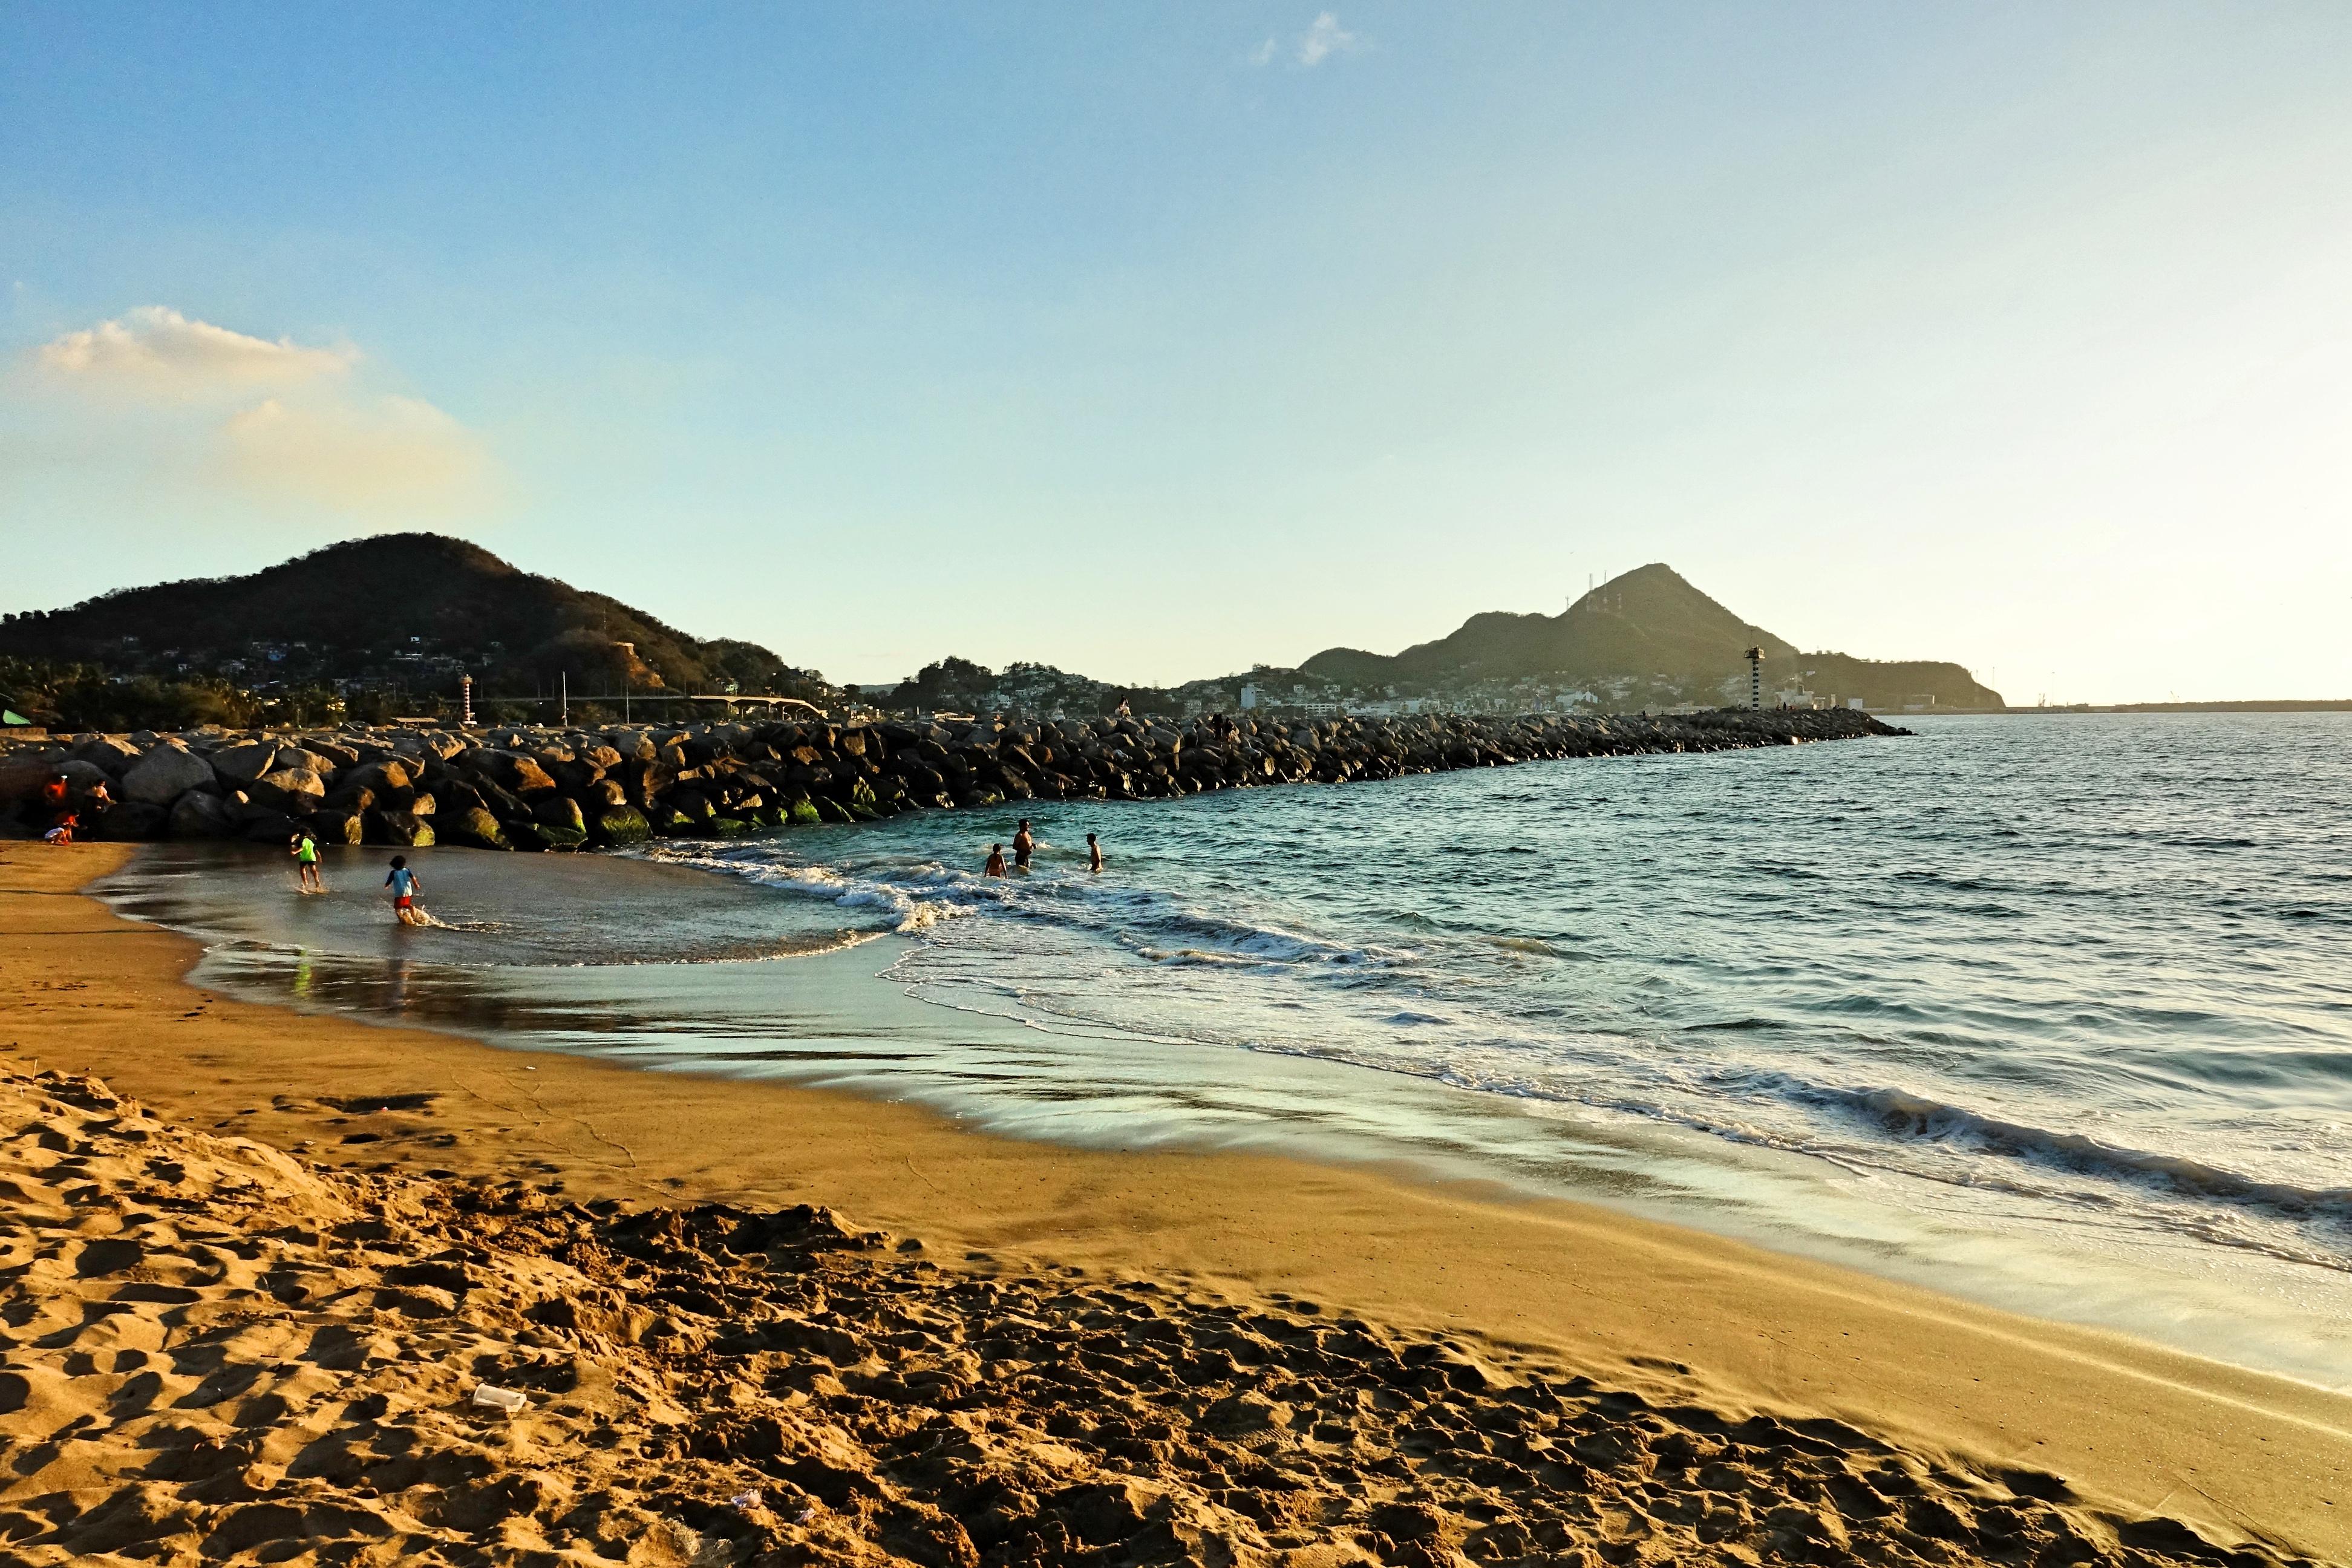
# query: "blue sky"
x,y
1152,342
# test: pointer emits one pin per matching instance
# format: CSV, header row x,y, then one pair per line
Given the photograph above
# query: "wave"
x,y
1917,1119
906,911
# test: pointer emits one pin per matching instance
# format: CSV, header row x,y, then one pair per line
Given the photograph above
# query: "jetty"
x,y
555,788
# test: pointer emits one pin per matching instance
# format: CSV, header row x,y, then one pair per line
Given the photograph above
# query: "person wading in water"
x,y
1023,847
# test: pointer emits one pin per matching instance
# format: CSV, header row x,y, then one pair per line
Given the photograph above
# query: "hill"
x,y
404,611
1648,634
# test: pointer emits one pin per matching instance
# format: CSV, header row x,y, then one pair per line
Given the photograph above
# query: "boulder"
x,y
295,791
305,757
133,820
550,837
245,761
336,826
514,772
111,753
399,828
258,824
384,776
165,774
21,778
199,814
471,825
81,777
619,824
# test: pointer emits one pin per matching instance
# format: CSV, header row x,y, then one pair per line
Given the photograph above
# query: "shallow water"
x,y
2049,1012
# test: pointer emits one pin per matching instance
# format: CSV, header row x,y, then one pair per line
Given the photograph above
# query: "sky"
x,y
1157,340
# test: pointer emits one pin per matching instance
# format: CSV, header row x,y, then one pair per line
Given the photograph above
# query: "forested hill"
x,y
1651,628
414,603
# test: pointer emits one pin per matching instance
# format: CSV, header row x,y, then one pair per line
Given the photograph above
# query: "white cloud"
x,y
383,455
1264,53
1323,39
200,413
157,352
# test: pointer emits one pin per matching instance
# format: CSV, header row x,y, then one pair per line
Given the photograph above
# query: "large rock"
x,y
241,765
112,753
263,825
133,820
398,827
619,825
81,777
295,791
515,773
337,827
165,774
472,826
199,814
385,776
317,761
550,837
556,811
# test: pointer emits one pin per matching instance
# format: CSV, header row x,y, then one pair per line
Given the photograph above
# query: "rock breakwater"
x,y
575,788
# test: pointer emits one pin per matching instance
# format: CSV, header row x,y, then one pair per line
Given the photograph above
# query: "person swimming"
x,y
995,861
1094,854
405,887
1024,846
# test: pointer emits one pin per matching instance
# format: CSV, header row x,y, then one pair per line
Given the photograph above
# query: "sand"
x,y
1001,1352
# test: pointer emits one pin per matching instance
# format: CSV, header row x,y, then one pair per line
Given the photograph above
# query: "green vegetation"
x,y
386,623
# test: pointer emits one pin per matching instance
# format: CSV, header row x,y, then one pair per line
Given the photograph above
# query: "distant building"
x,y
1249,698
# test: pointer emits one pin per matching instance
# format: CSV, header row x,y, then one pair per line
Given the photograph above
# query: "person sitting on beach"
x,y
1094,856
404,886
306,857
62,830
995,861
1022,846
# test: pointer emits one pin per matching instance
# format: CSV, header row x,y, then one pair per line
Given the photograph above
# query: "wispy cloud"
x,y
386,456
155,352
1264,53
1324,38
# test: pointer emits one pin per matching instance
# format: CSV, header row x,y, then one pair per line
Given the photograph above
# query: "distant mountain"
x,y
1651,632
410,609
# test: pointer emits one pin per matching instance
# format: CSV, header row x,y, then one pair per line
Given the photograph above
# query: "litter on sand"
x,y
509,1399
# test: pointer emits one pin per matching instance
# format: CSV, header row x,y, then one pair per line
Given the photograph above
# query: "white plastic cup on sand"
x,y
511,1399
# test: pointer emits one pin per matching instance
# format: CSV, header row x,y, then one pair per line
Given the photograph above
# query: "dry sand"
x,y
214,1352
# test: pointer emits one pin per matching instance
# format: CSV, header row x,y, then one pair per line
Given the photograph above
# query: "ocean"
x,y
2050,1012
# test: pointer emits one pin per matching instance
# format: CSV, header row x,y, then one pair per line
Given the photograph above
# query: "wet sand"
x,y
2003,1422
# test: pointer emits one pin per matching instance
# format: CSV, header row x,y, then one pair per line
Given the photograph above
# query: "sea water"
x,y
2052,1012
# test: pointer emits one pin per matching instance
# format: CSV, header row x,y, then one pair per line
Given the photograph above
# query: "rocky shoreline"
x,y
582,788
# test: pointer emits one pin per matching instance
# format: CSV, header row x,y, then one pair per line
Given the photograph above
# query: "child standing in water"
x,y
404,885
306,857
995,861
1094,854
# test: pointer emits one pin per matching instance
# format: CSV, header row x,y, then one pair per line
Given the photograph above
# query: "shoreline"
x,y
1680,1317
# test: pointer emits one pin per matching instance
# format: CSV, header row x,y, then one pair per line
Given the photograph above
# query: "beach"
x,y
1650,1332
